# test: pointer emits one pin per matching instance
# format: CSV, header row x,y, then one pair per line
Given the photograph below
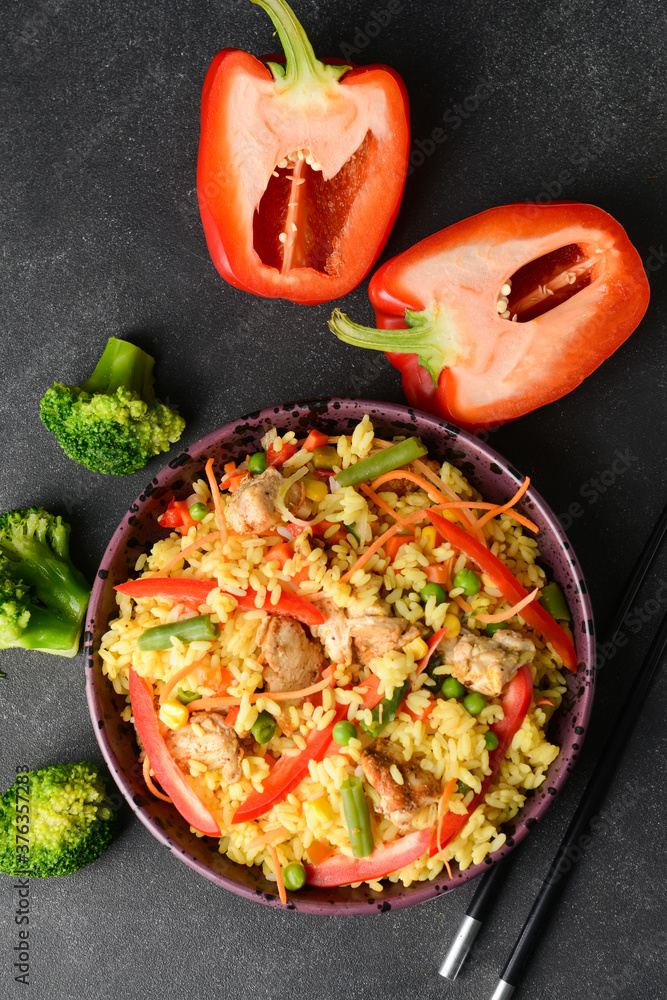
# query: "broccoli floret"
x,y
43,597
112,423
69,821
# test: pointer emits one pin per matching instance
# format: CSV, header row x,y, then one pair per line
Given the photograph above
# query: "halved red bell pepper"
x,y
301,167
534,614
388,858
195,592
165,768
287,773
505,311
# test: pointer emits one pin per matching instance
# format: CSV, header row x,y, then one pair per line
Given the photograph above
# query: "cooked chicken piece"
x,y
398,802
484,664
334,633
293,661
401,487
378,608
374,636
252,506
217,747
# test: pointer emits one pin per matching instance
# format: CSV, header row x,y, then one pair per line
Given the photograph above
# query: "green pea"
x,y
490,741
433,590
452,688
344,731
468,580
257,463
493,627
198,511
264,727
185,697
294,876
474,703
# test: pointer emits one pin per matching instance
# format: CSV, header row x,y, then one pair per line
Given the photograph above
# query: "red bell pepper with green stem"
x,y
505,311
301,167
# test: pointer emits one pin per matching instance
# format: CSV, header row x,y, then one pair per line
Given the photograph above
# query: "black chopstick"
x,y
490,884
589,805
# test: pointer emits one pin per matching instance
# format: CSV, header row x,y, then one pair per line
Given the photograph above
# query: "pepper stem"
x,y
428,336
301,67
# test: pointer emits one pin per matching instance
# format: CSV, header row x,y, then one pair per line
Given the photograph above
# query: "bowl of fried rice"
x,y
340,656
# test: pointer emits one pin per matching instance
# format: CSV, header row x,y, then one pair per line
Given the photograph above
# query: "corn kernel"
x,y
316,489
322,809
173,714
418,647
449,515
429,538
452,626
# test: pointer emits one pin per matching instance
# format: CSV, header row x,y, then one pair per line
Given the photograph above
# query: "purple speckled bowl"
x,y
497,481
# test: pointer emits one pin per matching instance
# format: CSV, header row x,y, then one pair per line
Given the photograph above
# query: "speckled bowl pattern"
x,y
495,480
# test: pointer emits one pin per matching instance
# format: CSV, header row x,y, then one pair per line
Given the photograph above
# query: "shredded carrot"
x,y
419,481
381,504
464,606
448,491
449,870
189,549
510,612
444,804
278,872
479,505
418,515
318,852
149,783
544,701
266,838
215,493
226,702
178,676
501,508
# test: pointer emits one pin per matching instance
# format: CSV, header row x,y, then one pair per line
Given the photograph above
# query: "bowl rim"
x,y
416,892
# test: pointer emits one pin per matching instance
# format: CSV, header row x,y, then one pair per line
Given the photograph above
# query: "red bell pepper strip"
x,y
534,614
279,457
177,515
165,768
578,290
195,592
303,210
388,858
287,773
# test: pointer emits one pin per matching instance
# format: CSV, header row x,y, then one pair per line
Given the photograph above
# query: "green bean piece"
x,y
490,740
384,461
343,732
385,712
357,817
257,463
352,528
294,876
469,580
553,601
452,688
196,629
198,511
264,727
326,457
433,590
185,697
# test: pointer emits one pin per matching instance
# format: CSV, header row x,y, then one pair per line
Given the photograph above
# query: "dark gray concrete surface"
x,y
101,236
